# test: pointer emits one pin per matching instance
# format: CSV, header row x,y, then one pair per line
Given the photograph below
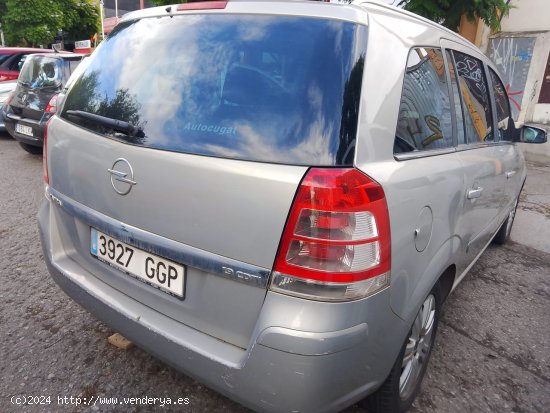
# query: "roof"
x,y
24,50
357,11
321,9
63,55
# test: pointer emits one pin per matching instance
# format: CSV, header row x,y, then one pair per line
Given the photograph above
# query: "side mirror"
x,y
531,134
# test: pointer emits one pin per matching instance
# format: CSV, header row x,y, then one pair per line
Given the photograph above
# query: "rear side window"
x,y
263,88
475,98
505,123
40,71
70,66
73,65
424,113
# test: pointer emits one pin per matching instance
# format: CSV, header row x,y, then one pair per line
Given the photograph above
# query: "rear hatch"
x,y
41,77
221,115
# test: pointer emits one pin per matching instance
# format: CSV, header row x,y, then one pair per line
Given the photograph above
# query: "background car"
x,y
5,90
11,59
42,77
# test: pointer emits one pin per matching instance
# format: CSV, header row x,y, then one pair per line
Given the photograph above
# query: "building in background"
x,y
124,6
111,7
521,51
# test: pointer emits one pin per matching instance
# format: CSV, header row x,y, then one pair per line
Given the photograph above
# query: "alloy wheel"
x,y
417,348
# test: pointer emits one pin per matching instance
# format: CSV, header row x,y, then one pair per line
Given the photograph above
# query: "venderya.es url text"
x,y
28,400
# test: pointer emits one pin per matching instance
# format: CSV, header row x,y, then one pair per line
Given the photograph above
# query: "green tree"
x,y
449,12
30,22
3,9
37,22
83,19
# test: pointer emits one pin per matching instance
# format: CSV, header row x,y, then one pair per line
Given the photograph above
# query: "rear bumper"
x,y
283,368
10,120
2,123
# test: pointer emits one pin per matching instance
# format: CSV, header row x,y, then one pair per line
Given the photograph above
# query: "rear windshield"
x,y
262,88
39,71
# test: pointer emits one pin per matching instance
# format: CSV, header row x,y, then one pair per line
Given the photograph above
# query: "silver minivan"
x,y
277,197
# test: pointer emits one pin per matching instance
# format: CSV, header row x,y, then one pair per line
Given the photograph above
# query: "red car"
x,y
11,60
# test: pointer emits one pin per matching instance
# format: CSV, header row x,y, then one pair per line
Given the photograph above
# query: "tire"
x,y
503,234
398,392
34,150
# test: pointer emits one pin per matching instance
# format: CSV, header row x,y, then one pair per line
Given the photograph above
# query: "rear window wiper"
x,y
114,124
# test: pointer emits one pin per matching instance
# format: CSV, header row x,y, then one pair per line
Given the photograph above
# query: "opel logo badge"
x,y
122,176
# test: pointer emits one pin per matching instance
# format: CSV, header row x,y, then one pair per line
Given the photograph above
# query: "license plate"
x,y
156,271
23,129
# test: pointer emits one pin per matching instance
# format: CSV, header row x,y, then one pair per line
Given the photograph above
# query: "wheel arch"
x,y
408,292
446,281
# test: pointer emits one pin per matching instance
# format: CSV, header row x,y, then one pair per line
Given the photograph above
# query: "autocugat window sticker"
x,y
200,127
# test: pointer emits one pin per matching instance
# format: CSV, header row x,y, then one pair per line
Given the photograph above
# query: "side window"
x,y
505,123
476,107
424,120
73,64
456,98
16,63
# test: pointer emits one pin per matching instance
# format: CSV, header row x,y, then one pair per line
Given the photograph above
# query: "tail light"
x,y
45,153
51,109
336,243
52,105
9,99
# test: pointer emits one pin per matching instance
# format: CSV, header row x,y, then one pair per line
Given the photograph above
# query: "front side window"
x,y
505,123
40,71
17,63
476,106
424,120
281,89
4,57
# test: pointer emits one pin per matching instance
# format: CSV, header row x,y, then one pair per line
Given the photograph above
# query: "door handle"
x,y
474,193
509,174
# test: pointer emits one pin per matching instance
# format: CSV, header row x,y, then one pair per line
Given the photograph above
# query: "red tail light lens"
x,y
52,105
51,108
8,76
336,244
45,153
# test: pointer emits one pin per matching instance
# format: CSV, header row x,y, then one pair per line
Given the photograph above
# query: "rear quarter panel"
x,y
435,182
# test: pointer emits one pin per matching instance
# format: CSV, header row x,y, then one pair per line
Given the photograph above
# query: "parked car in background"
x,y
277,197
6,88
11,59
42,77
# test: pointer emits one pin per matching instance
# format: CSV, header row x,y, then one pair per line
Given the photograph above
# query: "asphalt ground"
x,y
492,352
